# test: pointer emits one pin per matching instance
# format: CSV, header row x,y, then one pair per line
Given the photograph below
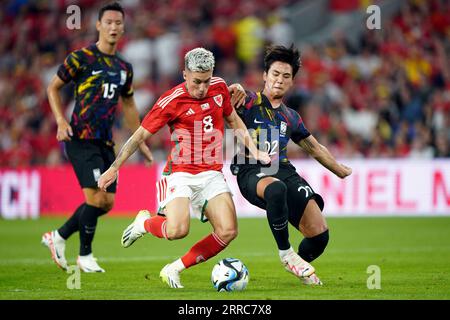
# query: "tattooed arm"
x,y
322,155
110,175
131,116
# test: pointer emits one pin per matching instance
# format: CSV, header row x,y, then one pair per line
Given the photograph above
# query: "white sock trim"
x,y
141,227
178,265
58,237
283,253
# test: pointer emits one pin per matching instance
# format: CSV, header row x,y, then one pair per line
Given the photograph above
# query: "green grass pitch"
x,y
413,255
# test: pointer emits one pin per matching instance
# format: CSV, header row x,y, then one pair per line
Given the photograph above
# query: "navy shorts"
x,y
299,192
90,158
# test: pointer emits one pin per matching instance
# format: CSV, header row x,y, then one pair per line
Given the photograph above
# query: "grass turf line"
x,y
413,255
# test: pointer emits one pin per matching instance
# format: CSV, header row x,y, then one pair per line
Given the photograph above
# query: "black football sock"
x,y
88,223
275,196
72,224
311,248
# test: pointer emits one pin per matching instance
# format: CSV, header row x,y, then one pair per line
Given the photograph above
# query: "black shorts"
x,y
90,158
299,192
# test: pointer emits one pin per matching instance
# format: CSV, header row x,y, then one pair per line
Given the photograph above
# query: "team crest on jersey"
x,y
283,128
123,77
205,106
218,99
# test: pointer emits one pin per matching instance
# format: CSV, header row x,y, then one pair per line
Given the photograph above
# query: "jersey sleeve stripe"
x,y
165,101
170,95
87,51
217,81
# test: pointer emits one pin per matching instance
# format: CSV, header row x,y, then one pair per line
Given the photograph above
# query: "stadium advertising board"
x,y
48,191
376,188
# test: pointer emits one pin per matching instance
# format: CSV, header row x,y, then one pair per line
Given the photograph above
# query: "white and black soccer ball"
x,y
229,274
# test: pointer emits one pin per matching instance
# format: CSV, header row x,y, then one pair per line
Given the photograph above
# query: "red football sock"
x,y
156,225
203,250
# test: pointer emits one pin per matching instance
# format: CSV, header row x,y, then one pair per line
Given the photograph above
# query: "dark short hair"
x,y
115,6
289,55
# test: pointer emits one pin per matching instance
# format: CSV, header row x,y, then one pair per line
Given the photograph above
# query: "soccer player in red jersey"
x,y
195,111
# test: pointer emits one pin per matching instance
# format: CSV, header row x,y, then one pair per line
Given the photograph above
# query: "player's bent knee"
x,y
227,235
322,228
101,200
276,191
179,232
104,204
311,248
314,229
108,205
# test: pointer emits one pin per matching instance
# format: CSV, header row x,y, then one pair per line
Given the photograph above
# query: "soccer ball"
x,y
229,274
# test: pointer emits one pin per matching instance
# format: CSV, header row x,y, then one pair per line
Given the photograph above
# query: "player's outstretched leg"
x,y
135,230
203,250
314,227
57,245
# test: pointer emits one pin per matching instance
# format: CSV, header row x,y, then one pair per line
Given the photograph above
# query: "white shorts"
x,y
199,188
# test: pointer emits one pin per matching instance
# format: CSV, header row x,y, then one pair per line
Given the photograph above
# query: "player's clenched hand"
x,y
64,131
238,95
263,157
107,178
345,171
146,152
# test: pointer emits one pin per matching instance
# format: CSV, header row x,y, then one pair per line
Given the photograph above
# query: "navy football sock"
x,y
275,196
72,224
311,248
88,223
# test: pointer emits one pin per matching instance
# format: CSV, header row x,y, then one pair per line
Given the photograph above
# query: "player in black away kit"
x,y
283,193
101,76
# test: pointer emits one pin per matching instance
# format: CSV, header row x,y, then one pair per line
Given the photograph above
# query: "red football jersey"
x,y
196,126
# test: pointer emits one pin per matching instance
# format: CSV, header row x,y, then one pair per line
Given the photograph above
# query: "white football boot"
x,y
57,245
89,264
171,276
294,264
311,280
135,230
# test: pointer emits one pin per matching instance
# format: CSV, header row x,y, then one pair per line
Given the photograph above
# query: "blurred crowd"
x,y
388,95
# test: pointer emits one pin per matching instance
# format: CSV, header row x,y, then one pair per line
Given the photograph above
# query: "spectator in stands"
x,y
400,72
